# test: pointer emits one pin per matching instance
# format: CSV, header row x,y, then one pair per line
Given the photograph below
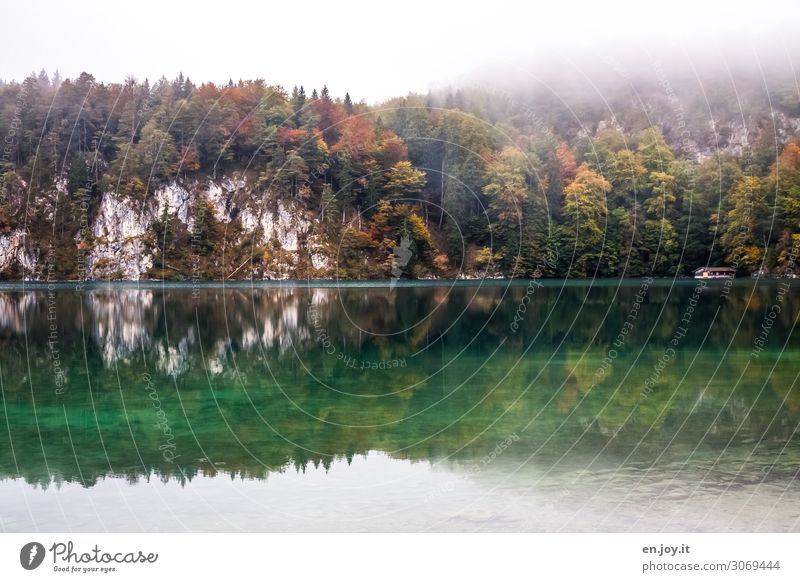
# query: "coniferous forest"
x,y
181,180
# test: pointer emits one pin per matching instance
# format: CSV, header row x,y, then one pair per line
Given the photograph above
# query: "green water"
x,y
544,406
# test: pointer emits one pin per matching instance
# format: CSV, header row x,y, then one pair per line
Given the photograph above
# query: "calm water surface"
x,y
548,406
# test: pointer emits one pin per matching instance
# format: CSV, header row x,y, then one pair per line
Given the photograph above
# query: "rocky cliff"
x,y
118,238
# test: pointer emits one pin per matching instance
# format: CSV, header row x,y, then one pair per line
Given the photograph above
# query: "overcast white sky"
x,y
372,49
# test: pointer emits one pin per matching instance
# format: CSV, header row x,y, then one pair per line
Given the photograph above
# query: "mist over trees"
x,y
655,176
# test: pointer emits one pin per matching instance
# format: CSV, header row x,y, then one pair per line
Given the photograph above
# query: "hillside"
x,y
649,176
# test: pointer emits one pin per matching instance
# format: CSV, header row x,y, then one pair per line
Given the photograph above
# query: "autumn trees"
x,y
584,215
473,182
783,182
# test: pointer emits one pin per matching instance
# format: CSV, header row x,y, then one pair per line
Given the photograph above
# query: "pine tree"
x,y
298,104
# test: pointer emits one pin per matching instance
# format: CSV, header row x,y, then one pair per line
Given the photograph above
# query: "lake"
x,y
635,405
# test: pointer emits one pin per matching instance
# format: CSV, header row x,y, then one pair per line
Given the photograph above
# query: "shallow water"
x,y
544,406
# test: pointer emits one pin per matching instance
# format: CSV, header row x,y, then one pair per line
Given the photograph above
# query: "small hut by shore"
x,y
715,273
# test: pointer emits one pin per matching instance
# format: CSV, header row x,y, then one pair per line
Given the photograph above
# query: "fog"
x,y
377,51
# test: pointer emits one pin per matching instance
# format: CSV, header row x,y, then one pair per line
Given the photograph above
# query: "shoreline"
x,y
373,283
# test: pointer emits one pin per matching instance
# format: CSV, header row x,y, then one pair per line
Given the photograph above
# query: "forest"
x,y
653,177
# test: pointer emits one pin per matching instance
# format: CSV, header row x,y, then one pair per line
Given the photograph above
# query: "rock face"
x,y
279,226
13,252
176,200
118,229
121,228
